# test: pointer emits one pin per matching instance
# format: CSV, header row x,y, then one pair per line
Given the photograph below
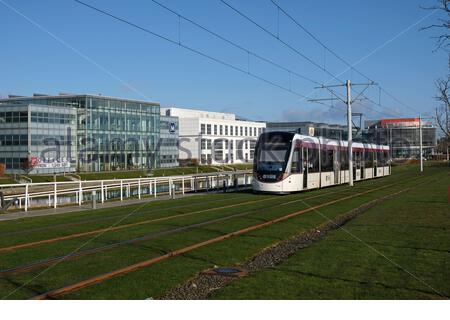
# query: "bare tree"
x,y
442,112
442,40
29,164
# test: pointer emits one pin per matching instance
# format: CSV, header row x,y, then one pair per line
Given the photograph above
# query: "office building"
x,y
403,136
110,133
38,139
314,129
214,137
168,142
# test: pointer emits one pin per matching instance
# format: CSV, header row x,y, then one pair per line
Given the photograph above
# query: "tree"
x,y
442,112
442,40
443,84
29,164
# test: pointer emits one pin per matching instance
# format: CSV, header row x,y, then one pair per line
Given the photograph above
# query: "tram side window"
x,y
344,160
357,159
380,159
376,158
313,160
368,159
326,159
296,165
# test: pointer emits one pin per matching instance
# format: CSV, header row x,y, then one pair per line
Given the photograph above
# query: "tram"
x,y
287,162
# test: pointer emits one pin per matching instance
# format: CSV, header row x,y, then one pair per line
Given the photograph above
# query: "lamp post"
x,y
421,141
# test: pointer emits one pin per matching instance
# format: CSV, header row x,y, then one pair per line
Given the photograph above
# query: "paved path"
x,y
88,206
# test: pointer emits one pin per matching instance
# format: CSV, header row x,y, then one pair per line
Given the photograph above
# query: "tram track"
x,y
149,221
99,219
136,266
110,217
73,256
151,236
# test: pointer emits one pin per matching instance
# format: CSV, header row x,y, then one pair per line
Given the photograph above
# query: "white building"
x,y
215,137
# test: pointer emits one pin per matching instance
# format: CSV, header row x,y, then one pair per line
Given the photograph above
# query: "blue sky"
x,y
108,57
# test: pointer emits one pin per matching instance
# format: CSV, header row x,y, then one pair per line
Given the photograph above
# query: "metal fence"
x,y
54,194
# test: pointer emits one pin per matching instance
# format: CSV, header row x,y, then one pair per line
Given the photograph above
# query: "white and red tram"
x,y
288,162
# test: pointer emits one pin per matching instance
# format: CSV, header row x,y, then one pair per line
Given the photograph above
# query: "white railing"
x,y
52,194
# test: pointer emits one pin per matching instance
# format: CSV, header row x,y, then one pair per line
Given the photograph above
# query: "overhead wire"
x,y
233,43
189,48
327,48
287,45
298,52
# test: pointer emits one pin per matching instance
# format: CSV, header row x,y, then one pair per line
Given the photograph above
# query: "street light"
x,y
421,140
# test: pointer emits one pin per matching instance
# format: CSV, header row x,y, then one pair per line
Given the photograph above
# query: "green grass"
x,y
59,178
35,179
155,280
182,170
6,180
105,175
157,172
397,250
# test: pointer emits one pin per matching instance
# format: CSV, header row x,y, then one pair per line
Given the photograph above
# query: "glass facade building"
x,y
168,143
38,139
111,133
402,136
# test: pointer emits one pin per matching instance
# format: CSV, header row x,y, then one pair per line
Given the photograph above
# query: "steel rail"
x,y
50,261
149,221
154,235
103,218
131,268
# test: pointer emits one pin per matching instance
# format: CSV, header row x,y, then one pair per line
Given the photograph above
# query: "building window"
x,y
215,129
203,144
218,150
226,130
202,128
246,133
242,131
231,130
221,130
208,129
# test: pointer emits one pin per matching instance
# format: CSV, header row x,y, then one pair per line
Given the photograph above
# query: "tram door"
x,y
336,166
358,170
363,165
354,165
375,163
305,167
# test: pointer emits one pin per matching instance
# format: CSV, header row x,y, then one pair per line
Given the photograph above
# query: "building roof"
x,y
38,96
305,123
196,113
396,123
